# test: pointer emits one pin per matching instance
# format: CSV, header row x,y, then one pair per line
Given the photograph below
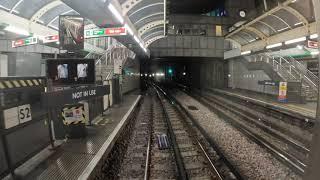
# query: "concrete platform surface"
x,y
76,158
308,109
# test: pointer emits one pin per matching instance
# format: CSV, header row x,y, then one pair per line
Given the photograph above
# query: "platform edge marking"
x,y
94,162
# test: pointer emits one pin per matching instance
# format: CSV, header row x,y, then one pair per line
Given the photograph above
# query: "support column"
x,y
312,172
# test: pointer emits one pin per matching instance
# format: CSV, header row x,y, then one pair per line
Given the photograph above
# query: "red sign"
x,y
313,44
49,39
24,42
115,31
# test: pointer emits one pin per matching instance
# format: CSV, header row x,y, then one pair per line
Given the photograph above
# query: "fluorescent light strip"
x,y
274,45
17,30
115,13
315,53
128,29
245,52
283,29
299,23
136,38
314,36
295,40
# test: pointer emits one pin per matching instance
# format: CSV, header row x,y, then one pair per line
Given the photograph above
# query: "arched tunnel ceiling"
x,y
286,16
46,12
146,15
28,8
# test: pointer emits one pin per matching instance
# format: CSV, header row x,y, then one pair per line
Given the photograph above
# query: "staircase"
x,y
105,64
285,69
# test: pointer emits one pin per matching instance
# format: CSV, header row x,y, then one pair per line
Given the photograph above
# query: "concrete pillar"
x,y
312,172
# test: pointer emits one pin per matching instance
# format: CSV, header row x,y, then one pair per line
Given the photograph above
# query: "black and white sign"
x,y
17,115
24,113
71,96
81,94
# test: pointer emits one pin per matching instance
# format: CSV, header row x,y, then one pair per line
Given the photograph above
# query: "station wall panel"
x,y
3,162
240,77
130,83
182,46
25,141
207,73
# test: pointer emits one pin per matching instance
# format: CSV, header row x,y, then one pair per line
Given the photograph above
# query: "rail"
x,y
213,168
226,110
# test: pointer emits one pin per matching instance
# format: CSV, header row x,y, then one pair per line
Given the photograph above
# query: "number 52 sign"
x,y
17,115
24,113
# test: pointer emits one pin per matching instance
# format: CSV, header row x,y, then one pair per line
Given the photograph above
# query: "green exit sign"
x,y
98,32
105,32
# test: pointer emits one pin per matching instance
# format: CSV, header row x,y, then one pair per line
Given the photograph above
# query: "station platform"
x,y
77,158
308,110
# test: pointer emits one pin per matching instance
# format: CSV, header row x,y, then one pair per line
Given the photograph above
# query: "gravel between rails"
x,y
252,161
162,164
133,165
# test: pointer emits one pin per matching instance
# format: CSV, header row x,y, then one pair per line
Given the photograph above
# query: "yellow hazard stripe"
x,y
8,84
2,86
29,83
23,83
16,84
35,82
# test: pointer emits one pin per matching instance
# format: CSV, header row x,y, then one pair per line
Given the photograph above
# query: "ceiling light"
x,y
299,23
17,30
245,52
300,47
295,40
315,53
283,29
136,39
141,45
115,13
274,45
314,36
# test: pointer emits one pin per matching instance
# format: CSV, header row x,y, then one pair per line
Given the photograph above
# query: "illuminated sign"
x,y
283,87
92,33
24,42
313,44
50,39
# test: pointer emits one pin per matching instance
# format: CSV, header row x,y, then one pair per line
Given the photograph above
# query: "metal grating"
x,y
67,167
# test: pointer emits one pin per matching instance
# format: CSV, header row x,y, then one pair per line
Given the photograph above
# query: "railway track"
x,y
288,150
165,146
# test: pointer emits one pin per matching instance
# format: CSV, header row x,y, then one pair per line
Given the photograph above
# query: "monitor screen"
x,y
62,70
71,71
82,70
71,32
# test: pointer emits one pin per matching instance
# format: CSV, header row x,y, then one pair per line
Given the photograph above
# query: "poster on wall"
x,y
73,114
71,33
283,87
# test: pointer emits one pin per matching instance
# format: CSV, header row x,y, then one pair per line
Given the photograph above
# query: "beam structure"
x,y
145,7
281,37
128,5
152,40
284,5
44,10
37,29
149,26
